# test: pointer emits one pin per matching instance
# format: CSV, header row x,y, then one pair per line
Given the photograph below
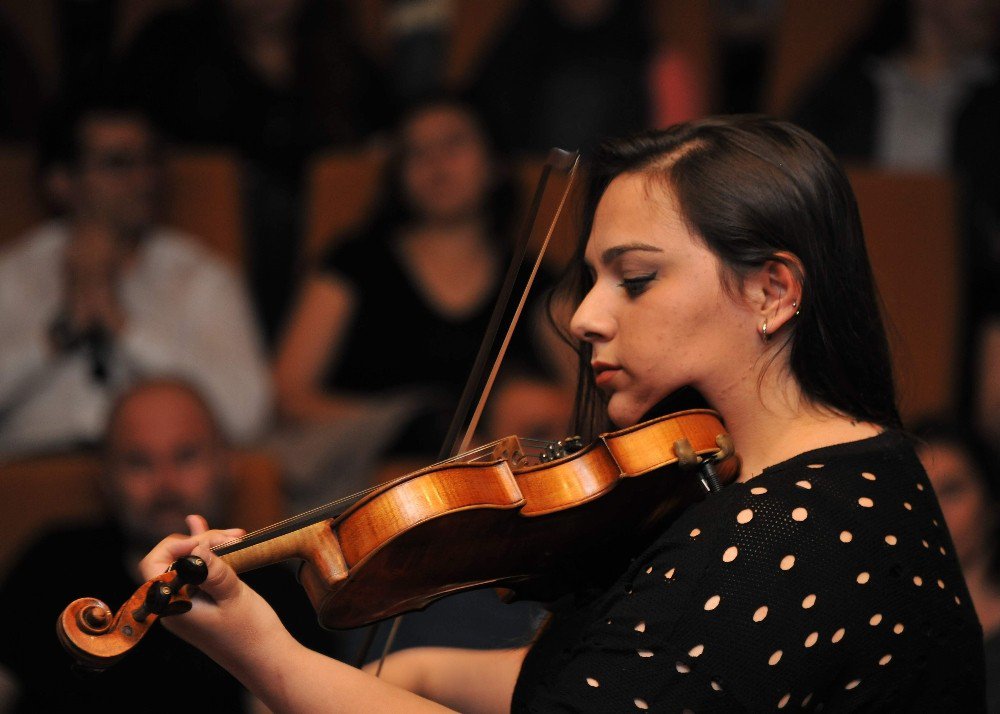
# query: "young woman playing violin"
x,y
725,256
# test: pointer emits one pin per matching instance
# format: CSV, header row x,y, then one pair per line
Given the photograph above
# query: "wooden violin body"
x,y
535,532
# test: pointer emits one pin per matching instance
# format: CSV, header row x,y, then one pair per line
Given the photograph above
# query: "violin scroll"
x,y
96,639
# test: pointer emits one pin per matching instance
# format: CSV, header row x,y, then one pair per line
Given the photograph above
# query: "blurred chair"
x,y
42,491
341,188
912,231
203,197
810,37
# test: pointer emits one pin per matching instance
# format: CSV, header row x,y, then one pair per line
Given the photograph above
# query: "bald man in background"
x,y
165,458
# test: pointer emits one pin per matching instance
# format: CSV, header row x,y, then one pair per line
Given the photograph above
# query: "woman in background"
x,y
420,279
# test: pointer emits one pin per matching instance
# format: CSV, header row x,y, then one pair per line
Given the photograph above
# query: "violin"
x,y
531,520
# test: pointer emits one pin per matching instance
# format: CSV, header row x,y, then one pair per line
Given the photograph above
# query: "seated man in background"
x,y
103,295
165,458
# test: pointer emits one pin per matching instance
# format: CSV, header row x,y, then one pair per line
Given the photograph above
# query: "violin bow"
x,y
536,232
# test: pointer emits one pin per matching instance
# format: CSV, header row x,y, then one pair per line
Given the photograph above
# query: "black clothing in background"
x,y
397,341
548,83
977,152
21,94
187,68
828,579
162,673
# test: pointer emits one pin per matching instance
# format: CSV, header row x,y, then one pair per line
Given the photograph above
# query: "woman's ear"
x,y
774,291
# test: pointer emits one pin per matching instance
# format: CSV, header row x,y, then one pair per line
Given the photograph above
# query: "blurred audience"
x,y
964,474
21,94
566,73
396,311
746,31
420,34
920,90
979,157
986,379
894,98
165,457
275,81
103,295
86,37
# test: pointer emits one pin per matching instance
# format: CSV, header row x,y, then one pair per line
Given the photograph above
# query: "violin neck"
x,y
301,544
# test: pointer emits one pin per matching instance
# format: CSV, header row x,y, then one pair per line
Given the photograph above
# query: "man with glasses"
x,y
104,295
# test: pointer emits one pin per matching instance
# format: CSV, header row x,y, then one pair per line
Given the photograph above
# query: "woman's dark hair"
x,y
392,210
749,187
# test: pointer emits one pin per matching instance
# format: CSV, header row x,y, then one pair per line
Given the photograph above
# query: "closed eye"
x,y
637,286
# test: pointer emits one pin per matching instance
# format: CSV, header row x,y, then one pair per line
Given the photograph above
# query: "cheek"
x,y
471,168
196,481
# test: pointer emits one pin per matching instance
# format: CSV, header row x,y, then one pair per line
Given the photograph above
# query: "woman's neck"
x,y
771,421
454,265
468,230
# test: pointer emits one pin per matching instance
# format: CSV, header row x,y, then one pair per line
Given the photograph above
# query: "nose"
x,y
168,477
591,323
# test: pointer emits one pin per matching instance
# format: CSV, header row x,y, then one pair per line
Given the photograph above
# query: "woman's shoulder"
x,y
816,502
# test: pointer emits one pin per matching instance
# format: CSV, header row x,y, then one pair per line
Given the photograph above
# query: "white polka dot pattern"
x,y
805,558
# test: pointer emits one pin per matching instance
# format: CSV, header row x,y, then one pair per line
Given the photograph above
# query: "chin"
x,y
623,415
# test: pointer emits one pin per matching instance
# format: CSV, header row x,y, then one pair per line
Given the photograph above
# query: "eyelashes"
x,y
634,287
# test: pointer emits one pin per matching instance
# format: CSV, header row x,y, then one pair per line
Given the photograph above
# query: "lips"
x,y
604,372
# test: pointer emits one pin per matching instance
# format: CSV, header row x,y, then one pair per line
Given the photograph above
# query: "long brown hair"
x,y
751,187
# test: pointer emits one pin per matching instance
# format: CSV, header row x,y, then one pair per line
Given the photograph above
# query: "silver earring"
x,y
796,306
763,332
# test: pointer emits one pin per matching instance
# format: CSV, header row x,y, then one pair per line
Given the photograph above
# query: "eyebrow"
x,y
611,253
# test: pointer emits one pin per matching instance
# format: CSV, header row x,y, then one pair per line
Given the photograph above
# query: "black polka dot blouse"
x,y
827,583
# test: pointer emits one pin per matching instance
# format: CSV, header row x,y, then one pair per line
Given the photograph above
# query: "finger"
x,y
196,524
177,546
166,552
222,583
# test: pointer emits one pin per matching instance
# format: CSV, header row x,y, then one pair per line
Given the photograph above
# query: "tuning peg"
x,y
191,570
